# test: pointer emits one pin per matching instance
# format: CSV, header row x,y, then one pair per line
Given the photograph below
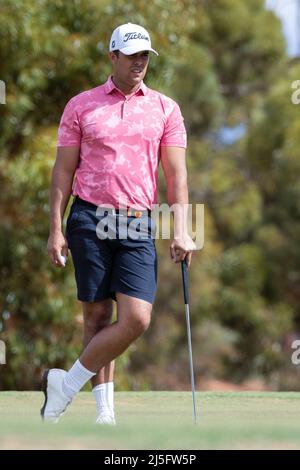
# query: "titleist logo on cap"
x,y
134,35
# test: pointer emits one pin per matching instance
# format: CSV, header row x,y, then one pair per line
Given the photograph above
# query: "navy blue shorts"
x,y
115,264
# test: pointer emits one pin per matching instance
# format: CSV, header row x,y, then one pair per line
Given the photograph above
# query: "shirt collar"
x,y
109,86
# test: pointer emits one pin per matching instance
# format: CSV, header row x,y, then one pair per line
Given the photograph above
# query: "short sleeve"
x,y
174,133
69,132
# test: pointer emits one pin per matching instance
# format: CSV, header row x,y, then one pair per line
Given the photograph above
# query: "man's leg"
x,y
134,317
60,387
96,316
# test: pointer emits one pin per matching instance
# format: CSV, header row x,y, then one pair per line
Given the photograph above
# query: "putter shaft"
x,y
187,315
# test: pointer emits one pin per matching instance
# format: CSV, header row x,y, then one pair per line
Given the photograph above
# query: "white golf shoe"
x,y
56,401
106,419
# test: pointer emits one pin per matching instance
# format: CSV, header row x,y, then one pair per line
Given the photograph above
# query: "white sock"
x,y
75,379
104,396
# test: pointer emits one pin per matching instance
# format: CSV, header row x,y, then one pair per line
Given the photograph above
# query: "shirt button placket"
x,y
124,108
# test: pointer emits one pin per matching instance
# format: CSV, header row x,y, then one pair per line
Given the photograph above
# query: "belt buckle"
x,y
136,214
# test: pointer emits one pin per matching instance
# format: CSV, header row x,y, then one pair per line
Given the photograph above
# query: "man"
x,y
111,138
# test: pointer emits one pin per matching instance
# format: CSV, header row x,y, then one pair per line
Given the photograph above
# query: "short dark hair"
x,y
116,52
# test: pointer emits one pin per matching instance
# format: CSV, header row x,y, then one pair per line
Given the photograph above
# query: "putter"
x,y
187,314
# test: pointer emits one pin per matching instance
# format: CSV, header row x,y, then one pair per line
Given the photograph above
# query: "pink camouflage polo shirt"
x,y
120,138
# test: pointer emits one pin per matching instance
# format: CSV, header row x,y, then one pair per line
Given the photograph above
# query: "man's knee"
x,y
136,324
134,315
97,315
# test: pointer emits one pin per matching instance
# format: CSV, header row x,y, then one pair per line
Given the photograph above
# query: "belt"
x,y
111,210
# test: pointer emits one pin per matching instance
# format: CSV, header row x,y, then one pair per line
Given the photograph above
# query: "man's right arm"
x,y
61,187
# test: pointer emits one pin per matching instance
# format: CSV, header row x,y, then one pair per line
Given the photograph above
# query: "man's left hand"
x,y
181,248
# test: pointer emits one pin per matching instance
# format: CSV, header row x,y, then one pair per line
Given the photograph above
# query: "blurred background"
x,y
230,65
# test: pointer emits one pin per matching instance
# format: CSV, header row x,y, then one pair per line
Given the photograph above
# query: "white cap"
x,y
130,38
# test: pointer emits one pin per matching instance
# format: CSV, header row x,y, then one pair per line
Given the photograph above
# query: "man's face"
x,y
130,69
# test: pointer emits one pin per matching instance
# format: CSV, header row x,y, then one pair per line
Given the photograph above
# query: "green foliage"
x,y
221,61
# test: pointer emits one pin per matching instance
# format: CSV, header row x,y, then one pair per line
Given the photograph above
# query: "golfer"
x,y
110,141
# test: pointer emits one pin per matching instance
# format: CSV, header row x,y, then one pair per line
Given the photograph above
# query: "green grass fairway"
x,y
157,420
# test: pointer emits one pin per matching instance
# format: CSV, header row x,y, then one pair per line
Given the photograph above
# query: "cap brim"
x,y
133,50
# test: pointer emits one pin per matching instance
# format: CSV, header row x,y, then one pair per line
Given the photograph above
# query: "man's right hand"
x,y
57,245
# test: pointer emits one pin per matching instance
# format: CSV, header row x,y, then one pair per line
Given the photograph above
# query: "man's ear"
x,y
112,56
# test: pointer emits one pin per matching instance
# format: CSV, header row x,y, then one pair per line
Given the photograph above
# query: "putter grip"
x,y
185,281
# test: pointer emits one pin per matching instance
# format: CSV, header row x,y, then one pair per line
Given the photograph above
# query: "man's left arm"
x,y
174,167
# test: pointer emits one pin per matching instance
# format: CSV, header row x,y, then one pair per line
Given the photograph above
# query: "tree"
x,y
220,61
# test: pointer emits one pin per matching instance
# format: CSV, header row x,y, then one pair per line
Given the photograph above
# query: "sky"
x,y
289,13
